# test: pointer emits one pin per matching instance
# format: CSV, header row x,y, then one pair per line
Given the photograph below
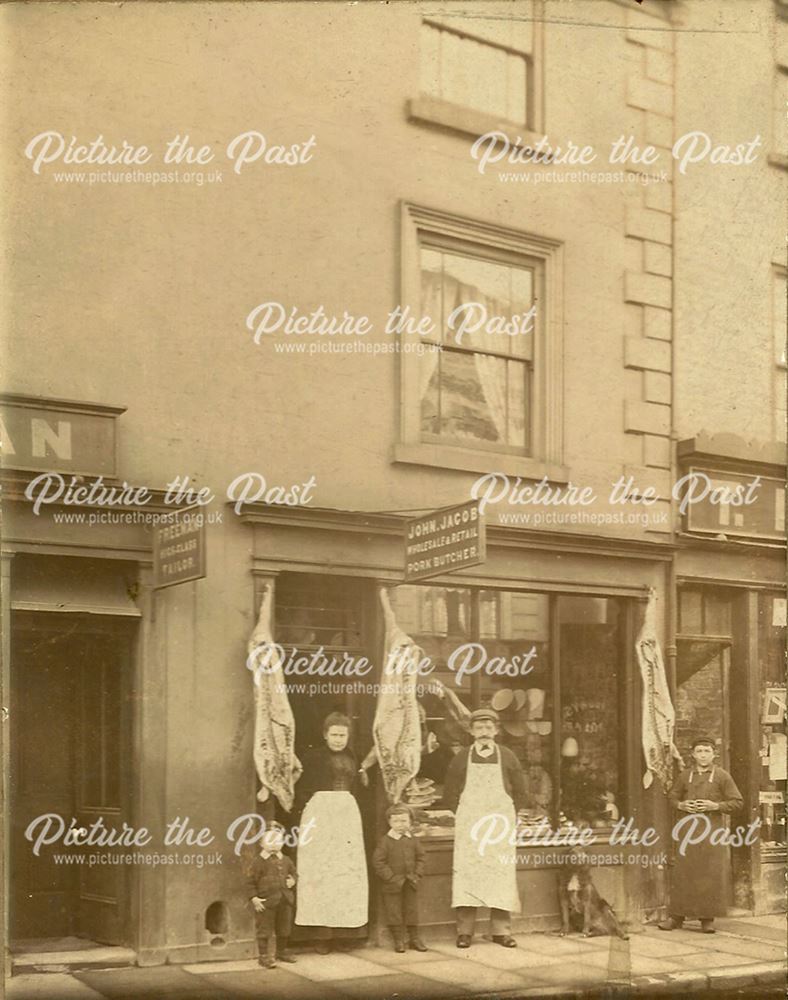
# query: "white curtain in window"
x,y
492,376
491,370
431,286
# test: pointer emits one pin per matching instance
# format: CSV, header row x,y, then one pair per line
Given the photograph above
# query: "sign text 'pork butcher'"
x,y
444,541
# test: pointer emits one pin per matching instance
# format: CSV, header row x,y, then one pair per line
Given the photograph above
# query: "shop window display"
x,y
772,792
590,657
493,648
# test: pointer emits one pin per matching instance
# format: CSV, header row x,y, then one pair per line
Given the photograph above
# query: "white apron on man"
x,y
489,878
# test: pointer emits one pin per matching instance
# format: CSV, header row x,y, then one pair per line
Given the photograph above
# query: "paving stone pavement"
x,y
745,957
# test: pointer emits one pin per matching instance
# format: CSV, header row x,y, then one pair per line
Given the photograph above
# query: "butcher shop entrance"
x,y
326,630
553,664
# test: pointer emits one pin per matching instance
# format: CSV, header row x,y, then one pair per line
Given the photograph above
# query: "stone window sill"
x,y
443,456
432,111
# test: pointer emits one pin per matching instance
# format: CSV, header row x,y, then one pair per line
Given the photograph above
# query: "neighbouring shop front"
x,y
731,644
75,619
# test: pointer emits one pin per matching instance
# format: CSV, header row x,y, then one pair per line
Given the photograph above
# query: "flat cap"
x,y
483,714
700,740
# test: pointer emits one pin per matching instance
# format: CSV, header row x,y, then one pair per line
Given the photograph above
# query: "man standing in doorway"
x,y
484,780
699,882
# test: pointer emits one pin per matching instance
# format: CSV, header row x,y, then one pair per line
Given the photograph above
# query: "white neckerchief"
x,y
265,855
395,835
693,772
484,753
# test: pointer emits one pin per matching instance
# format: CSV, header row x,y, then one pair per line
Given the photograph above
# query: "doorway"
x,y
704,679
70,716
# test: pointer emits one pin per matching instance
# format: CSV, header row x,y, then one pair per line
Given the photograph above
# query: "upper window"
x,y
473,62
778,149
479,72
484,389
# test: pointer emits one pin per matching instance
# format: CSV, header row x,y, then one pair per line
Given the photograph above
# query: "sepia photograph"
x,y
392,499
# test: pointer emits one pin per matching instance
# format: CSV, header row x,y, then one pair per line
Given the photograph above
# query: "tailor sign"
x,y
179,549
444,541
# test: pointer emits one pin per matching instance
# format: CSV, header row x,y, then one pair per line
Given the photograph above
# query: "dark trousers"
x,y
401,908
500,920
277,921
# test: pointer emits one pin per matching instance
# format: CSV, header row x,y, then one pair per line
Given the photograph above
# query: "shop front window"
x,y
590,657
550,666
772,791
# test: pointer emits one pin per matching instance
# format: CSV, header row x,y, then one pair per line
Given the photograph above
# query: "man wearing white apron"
x,y
483,780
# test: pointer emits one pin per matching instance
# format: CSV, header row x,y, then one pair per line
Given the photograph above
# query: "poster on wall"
x,y
392,497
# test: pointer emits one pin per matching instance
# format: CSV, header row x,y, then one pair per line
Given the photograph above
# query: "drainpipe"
x,y
671,595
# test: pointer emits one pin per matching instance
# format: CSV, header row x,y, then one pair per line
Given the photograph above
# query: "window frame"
x,y
422,226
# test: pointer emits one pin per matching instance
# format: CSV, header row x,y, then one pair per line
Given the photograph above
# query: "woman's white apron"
x,y
332,867
489,878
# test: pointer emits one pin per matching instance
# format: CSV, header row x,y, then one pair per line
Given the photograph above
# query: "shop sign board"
x,y
52,435
728,503
444,541
179,549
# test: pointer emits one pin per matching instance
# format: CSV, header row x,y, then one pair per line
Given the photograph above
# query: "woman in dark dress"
x,y
333,888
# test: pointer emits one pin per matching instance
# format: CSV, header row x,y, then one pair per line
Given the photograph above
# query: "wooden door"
x,y
42,772
101,758
70,748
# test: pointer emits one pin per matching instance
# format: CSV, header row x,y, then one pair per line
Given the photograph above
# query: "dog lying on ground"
x,y
582,908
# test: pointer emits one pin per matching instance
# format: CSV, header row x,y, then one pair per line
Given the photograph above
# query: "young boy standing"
x,y
399,864
271,883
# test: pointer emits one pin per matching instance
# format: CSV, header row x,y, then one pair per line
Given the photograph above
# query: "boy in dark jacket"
x,y
699,882
270,884
399,864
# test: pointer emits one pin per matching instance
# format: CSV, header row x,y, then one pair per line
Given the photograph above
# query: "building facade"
x,y
644,342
